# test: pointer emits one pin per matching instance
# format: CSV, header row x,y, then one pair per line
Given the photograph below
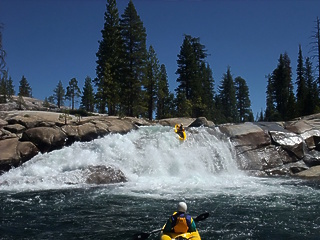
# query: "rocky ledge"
x,y
262,149
278,148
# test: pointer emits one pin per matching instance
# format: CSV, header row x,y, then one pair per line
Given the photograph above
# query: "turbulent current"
x,y
48,198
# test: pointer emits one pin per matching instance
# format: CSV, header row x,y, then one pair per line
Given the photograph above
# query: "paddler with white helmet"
x,y
180,221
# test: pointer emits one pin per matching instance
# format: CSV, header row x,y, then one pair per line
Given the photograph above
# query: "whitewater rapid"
x,y
155,162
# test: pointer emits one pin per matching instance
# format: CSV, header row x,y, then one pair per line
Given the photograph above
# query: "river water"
x,y
47,197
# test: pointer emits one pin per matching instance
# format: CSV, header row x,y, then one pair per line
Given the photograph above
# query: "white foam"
x,y
153,159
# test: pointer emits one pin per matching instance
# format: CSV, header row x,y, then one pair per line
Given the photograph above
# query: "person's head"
x,y
182,207
181,124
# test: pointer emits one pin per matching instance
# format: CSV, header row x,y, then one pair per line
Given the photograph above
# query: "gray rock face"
x,y
279,148
103,175
276,148
25,133
13,153
45,138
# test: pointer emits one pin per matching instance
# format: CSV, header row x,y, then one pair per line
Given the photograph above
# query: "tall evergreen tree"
x,y
186,67
301,85
183,105
24,88
103,89
315,47
150,82
282,85
207,91
165,99
73,91
2,56
312,97
243,100
190,59
59,94
108,91
10,88
135,54
195,77
227,95
87,99
271,113
110,55
3,89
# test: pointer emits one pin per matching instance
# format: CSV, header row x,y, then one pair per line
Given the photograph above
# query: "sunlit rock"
x,y
247,136
298,127
262,158
287,169
104,175
201,122
289,141
13,153
15,128
312,138
46,139
173,121
313,172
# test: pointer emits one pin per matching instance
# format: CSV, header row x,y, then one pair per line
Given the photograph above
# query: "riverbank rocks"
x,y
276,148
261,148
23,134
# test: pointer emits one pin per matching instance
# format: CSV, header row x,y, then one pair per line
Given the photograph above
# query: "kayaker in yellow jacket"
x,y
180,130
180,222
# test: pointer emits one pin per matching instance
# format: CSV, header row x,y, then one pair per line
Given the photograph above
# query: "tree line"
x,y
130,80
281,102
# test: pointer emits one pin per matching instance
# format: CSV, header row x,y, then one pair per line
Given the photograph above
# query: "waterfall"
x,y
152,158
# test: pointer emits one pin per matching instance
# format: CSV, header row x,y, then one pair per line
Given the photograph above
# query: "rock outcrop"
x,y
262,148
103,175
283,148
23,134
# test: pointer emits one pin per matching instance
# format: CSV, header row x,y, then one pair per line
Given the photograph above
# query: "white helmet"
x,y
182,207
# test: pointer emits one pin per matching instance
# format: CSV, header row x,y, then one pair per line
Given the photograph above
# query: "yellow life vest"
x,y
181,225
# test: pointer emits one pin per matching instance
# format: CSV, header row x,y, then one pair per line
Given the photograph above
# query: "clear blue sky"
x,y
52,40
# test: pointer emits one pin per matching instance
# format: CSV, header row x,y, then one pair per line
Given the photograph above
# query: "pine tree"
x,y
227,95
46,103
73,91
186,67
164,100
3,71
104,89
193,76
183,105
108,92
301,85
51,99
271,113
315,47
59,94
24,88
135,54
207,91
312,98
283,88
10,88
150,82
87,99
243,100
3,89
110,55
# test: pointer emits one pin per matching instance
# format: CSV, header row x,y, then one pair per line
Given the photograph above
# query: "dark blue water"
x,y
38,202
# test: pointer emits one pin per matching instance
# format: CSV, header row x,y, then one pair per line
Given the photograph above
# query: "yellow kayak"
x,y
172,236
182,135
